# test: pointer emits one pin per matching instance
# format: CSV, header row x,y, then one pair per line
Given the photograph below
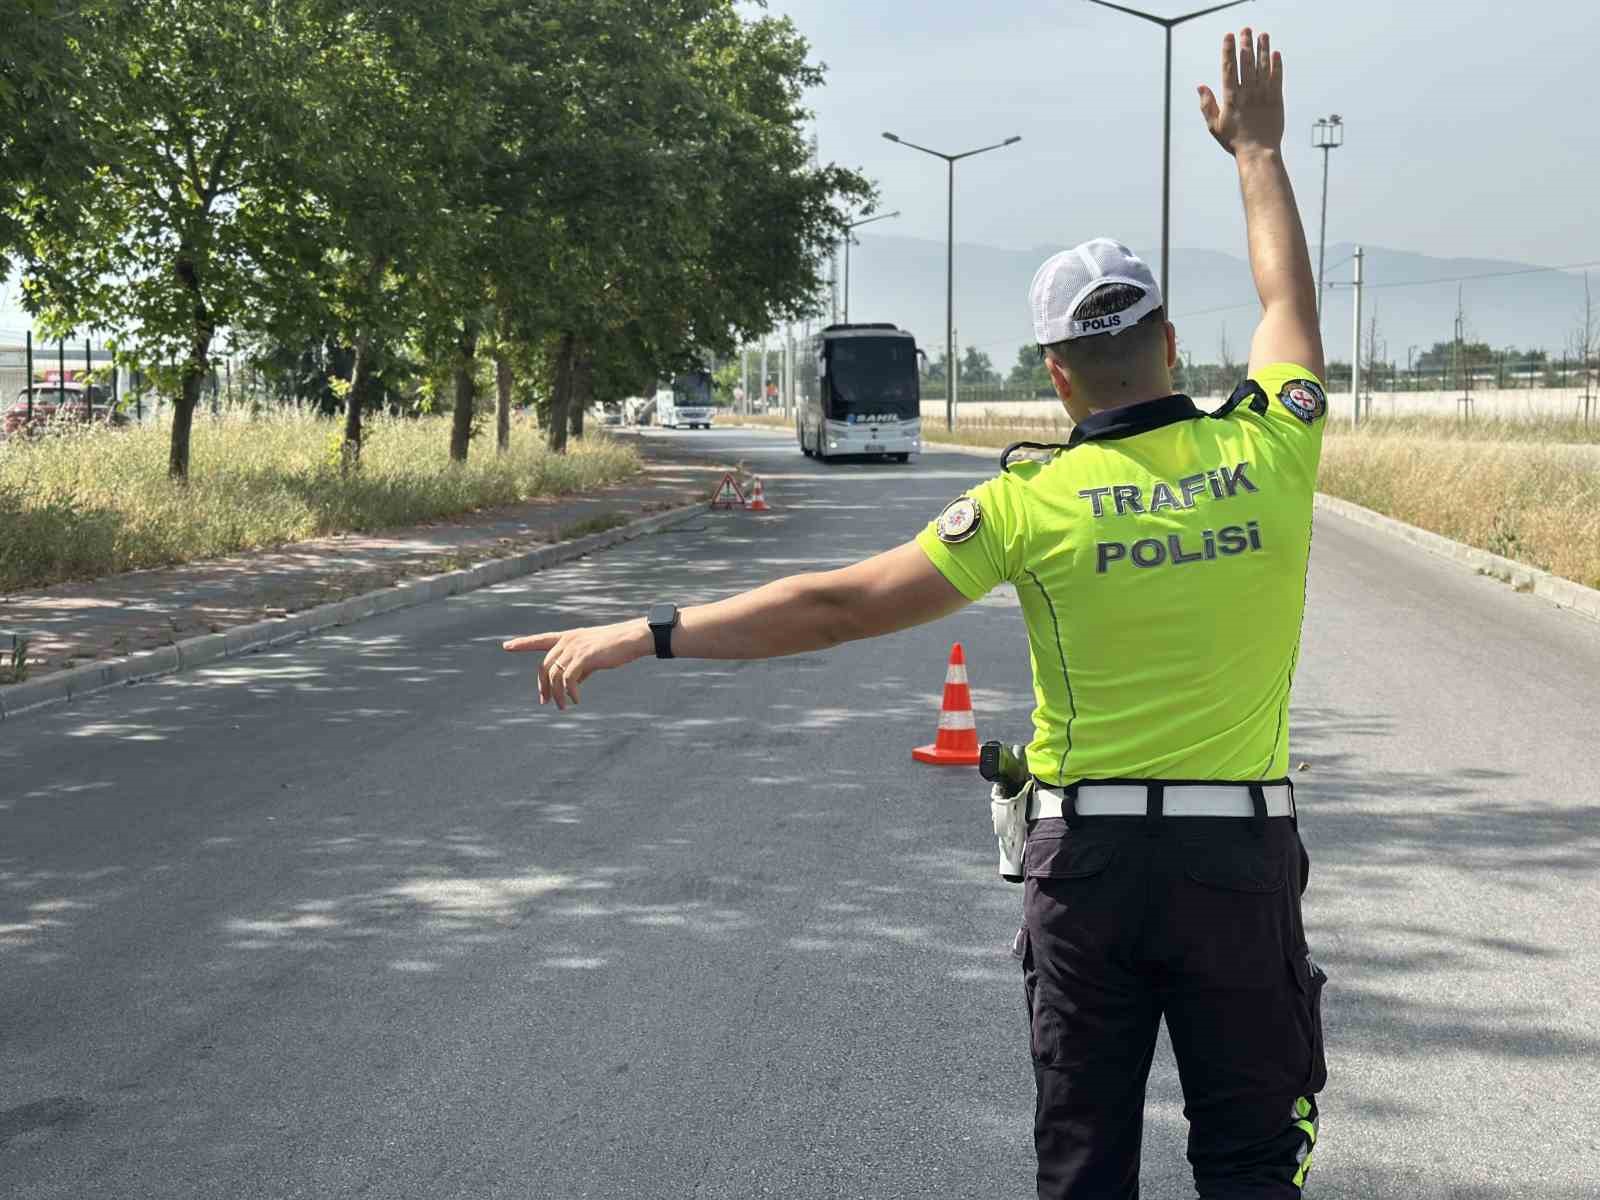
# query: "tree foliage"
x,y
593,194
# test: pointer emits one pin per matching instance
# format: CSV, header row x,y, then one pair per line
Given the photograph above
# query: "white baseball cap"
x,y
1067,278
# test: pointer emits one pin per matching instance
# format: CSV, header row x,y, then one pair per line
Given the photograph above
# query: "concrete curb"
x,y
1563,593
65,686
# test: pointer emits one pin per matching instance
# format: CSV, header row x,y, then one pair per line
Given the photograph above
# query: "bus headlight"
x,y
832,445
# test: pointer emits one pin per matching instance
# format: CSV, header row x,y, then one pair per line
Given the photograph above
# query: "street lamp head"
x,y
1328,133
1012,140
891,137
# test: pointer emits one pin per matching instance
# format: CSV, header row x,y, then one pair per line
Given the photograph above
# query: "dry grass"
x,y
1528,490
95,502
1536,503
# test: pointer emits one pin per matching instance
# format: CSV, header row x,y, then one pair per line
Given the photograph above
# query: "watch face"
x,y
663,614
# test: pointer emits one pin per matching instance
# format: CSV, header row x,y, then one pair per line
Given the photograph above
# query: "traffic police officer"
x,y
1160,558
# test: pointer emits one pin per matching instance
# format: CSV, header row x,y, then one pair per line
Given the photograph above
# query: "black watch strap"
x,y
663,619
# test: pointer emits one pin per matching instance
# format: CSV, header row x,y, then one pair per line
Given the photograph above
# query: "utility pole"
x,y
1374,356
763,372
1355,358
848,238
950,259
1463,368
1327,135
1588,347
1168,24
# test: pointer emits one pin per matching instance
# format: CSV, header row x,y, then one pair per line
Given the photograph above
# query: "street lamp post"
x,y
1327,135
949,262
847,240
1169,24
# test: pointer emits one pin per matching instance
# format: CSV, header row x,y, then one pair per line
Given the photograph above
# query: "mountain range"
x,y
902,280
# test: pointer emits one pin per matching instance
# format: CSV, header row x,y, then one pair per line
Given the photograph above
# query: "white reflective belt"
x,y
1177,800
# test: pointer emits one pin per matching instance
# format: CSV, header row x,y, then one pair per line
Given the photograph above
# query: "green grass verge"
x,y
95,502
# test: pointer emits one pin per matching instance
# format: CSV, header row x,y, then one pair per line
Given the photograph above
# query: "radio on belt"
x,y
1006,767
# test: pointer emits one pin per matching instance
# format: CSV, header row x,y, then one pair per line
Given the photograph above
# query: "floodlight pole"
x,y
1169,24
950,260
847,240
1327,135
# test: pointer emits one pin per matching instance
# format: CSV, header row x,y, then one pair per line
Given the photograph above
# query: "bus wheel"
x,y
903,457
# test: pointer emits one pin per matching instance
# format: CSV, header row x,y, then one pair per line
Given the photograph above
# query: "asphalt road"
x,y
358,918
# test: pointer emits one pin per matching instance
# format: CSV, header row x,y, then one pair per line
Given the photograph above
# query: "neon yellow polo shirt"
x,y
1161,564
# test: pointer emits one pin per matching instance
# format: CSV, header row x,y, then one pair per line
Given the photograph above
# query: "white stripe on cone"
x,y
956,674
961,719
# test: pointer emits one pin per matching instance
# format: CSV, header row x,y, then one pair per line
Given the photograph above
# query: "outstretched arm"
x,y
880,595
1248,123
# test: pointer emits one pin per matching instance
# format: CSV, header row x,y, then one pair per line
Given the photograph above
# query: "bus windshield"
x,y
873,379
692,390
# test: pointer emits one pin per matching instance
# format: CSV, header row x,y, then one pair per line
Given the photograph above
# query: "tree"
x,y
977,367
1029,370
194,216
40,81
695,116
398,129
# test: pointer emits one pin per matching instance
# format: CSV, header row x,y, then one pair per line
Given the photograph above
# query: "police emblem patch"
x,y
1304,398
959,520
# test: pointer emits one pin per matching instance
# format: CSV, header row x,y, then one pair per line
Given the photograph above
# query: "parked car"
x,y
61,403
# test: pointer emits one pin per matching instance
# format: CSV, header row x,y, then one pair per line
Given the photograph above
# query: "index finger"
x,y
1230,65
532,641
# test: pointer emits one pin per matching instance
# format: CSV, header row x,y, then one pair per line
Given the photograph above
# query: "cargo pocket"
x,y
1310,979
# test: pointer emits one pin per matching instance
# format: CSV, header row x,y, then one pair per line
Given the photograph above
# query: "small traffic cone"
x,y
956,744
758,498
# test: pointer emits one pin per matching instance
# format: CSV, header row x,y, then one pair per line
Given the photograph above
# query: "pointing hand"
x,y
1250,115
573,656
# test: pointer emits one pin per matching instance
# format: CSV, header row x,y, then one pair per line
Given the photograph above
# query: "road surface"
x,y
358,918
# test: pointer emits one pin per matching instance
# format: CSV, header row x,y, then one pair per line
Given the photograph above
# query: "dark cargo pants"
x,y
1195,919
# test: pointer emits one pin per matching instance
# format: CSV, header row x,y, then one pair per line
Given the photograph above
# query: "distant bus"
x,y
687,402
859,393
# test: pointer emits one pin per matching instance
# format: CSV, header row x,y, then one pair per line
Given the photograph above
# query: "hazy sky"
x,y
1471,126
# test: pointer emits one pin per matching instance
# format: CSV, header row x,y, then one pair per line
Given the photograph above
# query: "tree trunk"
x,y
466,392
582,390
355,401
560,396
195,368
183,417
503,380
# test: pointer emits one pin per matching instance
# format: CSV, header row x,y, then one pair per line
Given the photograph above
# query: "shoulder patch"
x,y
1305,399
959,520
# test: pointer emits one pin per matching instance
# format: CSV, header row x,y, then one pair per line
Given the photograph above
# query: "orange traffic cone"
x,y
956,744
758,498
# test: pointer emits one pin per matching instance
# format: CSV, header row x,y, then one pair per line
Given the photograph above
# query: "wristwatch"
x,y
663,619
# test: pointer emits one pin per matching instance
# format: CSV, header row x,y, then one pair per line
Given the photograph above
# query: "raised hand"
x,y
1250,114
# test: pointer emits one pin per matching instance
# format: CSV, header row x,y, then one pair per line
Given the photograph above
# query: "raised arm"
x,y
1248,123
880,595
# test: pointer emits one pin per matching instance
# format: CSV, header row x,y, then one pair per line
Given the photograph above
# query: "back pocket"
x,y
1065,856
1234,867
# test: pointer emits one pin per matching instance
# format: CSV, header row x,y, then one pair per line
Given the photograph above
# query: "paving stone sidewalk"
x,y
73,624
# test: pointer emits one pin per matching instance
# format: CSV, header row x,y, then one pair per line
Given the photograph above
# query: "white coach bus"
x,y
687,402
859,393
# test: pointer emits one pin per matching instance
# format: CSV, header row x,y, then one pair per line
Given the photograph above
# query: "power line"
x,y
1487,275
1405,283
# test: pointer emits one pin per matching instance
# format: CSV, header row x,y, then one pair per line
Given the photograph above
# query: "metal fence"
x,y
25,359
133,392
